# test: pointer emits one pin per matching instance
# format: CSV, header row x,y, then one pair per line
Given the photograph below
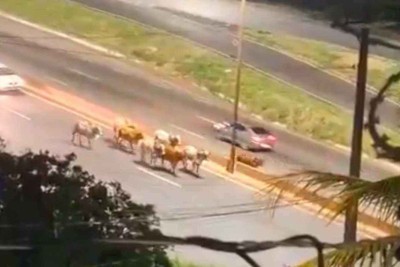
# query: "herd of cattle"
x,y
162,147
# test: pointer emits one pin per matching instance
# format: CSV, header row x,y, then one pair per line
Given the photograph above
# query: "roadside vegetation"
x,y
332,58
180,59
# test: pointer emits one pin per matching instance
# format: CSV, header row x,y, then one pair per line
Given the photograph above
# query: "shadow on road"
x,y
13,93
165,169
113,145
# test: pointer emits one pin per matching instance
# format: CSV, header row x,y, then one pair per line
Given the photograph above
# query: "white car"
x,y
9,80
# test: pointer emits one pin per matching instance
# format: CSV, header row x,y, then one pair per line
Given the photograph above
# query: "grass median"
x,y
177,58
330,57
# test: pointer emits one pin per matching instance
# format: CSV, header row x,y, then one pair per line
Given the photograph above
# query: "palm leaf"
x,y
362,252
382,196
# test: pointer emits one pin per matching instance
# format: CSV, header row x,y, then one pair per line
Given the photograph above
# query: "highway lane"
x,y
268,17
219,37
125,89
28,123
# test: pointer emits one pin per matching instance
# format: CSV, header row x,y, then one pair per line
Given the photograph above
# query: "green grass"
x,y
178,58
331,57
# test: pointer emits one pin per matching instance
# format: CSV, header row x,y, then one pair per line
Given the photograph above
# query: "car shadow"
x,y
13,93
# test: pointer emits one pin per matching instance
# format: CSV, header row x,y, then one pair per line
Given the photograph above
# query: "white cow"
x,y
195,156
151,147
87,130
167,138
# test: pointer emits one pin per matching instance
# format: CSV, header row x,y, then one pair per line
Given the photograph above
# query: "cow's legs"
x,y
131,144
80,140
185,163
73,137
89,142
173,167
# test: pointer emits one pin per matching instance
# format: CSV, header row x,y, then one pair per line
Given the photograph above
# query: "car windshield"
x,y
238,126
260,130
6,71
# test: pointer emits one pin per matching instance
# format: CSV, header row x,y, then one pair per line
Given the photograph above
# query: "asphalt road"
x,y
266,16
129,90
182,202
214,35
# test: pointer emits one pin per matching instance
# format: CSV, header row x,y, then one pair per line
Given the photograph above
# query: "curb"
x,y
367,222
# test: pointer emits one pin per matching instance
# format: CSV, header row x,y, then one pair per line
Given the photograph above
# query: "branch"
x,y
373,40
239,248
381,144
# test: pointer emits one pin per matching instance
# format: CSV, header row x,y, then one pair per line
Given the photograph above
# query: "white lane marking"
x,y
206,119
16,113
83,74
58,81
158,177
187,131
202,99
232,180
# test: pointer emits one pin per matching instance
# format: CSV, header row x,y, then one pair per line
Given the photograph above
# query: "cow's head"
x,y
96,132
203,154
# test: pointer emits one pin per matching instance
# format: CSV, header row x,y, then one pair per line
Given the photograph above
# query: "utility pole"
x,y
231,166
350,229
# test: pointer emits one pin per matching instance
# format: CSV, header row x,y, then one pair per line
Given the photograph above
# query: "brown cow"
x,y
174,155
130,134
121,122
86,129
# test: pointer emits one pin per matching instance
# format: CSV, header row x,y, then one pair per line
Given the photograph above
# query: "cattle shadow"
x,y
83,146
113,145
151,167
190,173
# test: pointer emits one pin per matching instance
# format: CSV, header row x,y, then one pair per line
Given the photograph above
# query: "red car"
x,y
248,137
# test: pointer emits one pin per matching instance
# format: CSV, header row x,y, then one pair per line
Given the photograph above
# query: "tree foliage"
x,y
380,198
55,207
349,9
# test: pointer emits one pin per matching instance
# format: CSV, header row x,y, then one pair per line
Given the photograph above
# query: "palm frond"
x,y
316,183
381,198
361,253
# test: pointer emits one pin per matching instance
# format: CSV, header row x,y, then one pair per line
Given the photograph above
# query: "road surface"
x,y
156,103
28,123
218,37
268,17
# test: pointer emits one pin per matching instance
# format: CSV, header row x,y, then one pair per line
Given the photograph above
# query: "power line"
x,y
165,219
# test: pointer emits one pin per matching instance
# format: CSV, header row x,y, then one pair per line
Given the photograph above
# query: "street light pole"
x,y
350,229
232,159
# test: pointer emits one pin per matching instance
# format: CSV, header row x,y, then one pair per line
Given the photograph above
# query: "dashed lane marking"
x,y
58,81
158,177
16,113
81,73
206,119
187,131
